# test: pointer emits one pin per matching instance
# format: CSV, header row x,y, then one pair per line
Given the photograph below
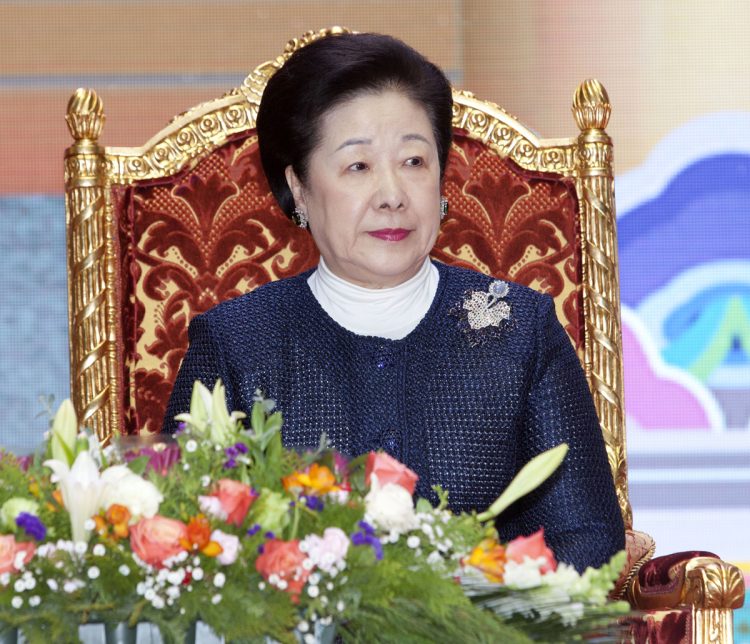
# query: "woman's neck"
x,y
388,313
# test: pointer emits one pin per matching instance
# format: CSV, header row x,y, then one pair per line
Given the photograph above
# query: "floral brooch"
x,y
482,312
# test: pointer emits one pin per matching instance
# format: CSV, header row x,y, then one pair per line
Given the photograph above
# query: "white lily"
x,y
82,488
64,433
209,416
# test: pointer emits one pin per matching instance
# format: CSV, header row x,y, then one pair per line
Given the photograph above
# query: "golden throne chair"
x,y
162,232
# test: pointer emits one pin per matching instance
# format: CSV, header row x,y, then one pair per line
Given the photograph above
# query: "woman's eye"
x,y
414,162
359,166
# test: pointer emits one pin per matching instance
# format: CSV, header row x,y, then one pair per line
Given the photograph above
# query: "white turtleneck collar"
x,y
390,313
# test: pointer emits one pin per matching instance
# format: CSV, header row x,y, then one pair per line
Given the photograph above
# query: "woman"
x,y
462,377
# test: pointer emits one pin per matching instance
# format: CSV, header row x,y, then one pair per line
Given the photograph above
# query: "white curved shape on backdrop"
x,y
706,136
652,310
671,382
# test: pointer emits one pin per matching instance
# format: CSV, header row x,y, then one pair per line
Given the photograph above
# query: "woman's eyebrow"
x,y
406,137
414,137
354,142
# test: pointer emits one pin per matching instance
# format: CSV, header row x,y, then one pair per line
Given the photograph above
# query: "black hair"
x,y
328,72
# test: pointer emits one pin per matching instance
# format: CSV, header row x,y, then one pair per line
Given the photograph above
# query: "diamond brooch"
x,y
482,312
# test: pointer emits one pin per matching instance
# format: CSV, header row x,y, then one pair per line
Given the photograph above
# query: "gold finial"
x,y
85,116
591,107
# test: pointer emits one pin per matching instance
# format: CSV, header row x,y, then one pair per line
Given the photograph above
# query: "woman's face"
x,y
372,193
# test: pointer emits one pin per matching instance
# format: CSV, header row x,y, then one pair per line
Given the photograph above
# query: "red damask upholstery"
x,y
214,231
657,577
661,627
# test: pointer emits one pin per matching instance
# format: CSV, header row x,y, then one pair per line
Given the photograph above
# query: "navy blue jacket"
x,y
463,408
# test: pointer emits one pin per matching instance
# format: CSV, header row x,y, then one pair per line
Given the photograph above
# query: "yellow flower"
x,y
488,557
317,480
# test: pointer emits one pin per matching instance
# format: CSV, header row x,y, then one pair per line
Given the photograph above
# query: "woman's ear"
x,y
295,185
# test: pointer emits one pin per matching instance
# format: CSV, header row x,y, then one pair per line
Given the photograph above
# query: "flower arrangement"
x,y
262,543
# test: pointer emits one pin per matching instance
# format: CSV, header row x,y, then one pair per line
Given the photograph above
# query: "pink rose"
x,y
236,499
157,539
9,551
284,559
230,547
389,470
533,547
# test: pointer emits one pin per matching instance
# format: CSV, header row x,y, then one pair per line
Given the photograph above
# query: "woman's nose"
x,y
390,194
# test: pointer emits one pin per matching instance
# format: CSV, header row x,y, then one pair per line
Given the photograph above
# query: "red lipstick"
x,y
390,234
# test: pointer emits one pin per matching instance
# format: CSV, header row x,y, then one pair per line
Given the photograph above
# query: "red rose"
x,y
284,559
157,539
532,547
9,549
389,470
236,499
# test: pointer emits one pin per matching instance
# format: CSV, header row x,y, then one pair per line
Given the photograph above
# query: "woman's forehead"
x,y
371,117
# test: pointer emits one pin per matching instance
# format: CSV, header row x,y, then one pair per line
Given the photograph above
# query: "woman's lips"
x,y
390,234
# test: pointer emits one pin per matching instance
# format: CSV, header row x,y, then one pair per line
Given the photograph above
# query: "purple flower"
x,y
235,450
269,535
230,464
367,528
32,525
261,548
253,530
362,538
314,502
24,462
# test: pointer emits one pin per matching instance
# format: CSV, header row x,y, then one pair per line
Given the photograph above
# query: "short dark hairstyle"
x,y
328,72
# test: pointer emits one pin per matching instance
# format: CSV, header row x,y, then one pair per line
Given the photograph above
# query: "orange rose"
x,y
119,516
532,547
199,537
389,470
157,539
284,559
9,549
236,499
489,557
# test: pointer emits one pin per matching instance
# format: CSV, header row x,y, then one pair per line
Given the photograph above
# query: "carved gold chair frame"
x,y
92,170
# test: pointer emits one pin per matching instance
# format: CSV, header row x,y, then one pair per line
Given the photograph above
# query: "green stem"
x,y
135,616
295,521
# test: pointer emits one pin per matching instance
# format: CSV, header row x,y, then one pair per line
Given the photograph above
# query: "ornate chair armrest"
x,y
639,547
691,579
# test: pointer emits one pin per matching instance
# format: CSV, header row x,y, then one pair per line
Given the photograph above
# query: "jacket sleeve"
x,y
203,361
577,506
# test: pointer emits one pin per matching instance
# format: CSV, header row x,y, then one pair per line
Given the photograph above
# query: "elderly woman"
x,y
373,347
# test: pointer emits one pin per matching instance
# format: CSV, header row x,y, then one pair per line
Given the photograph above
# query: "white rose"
x,y
138,495
390,507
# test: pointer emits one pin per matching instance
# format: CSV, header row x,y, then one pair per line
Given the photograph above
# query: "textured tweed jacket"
x,y
464,408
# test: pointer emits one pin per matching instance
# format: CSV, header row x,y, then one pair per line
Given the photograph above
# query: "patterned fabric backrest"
x,y
161,233
213,232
